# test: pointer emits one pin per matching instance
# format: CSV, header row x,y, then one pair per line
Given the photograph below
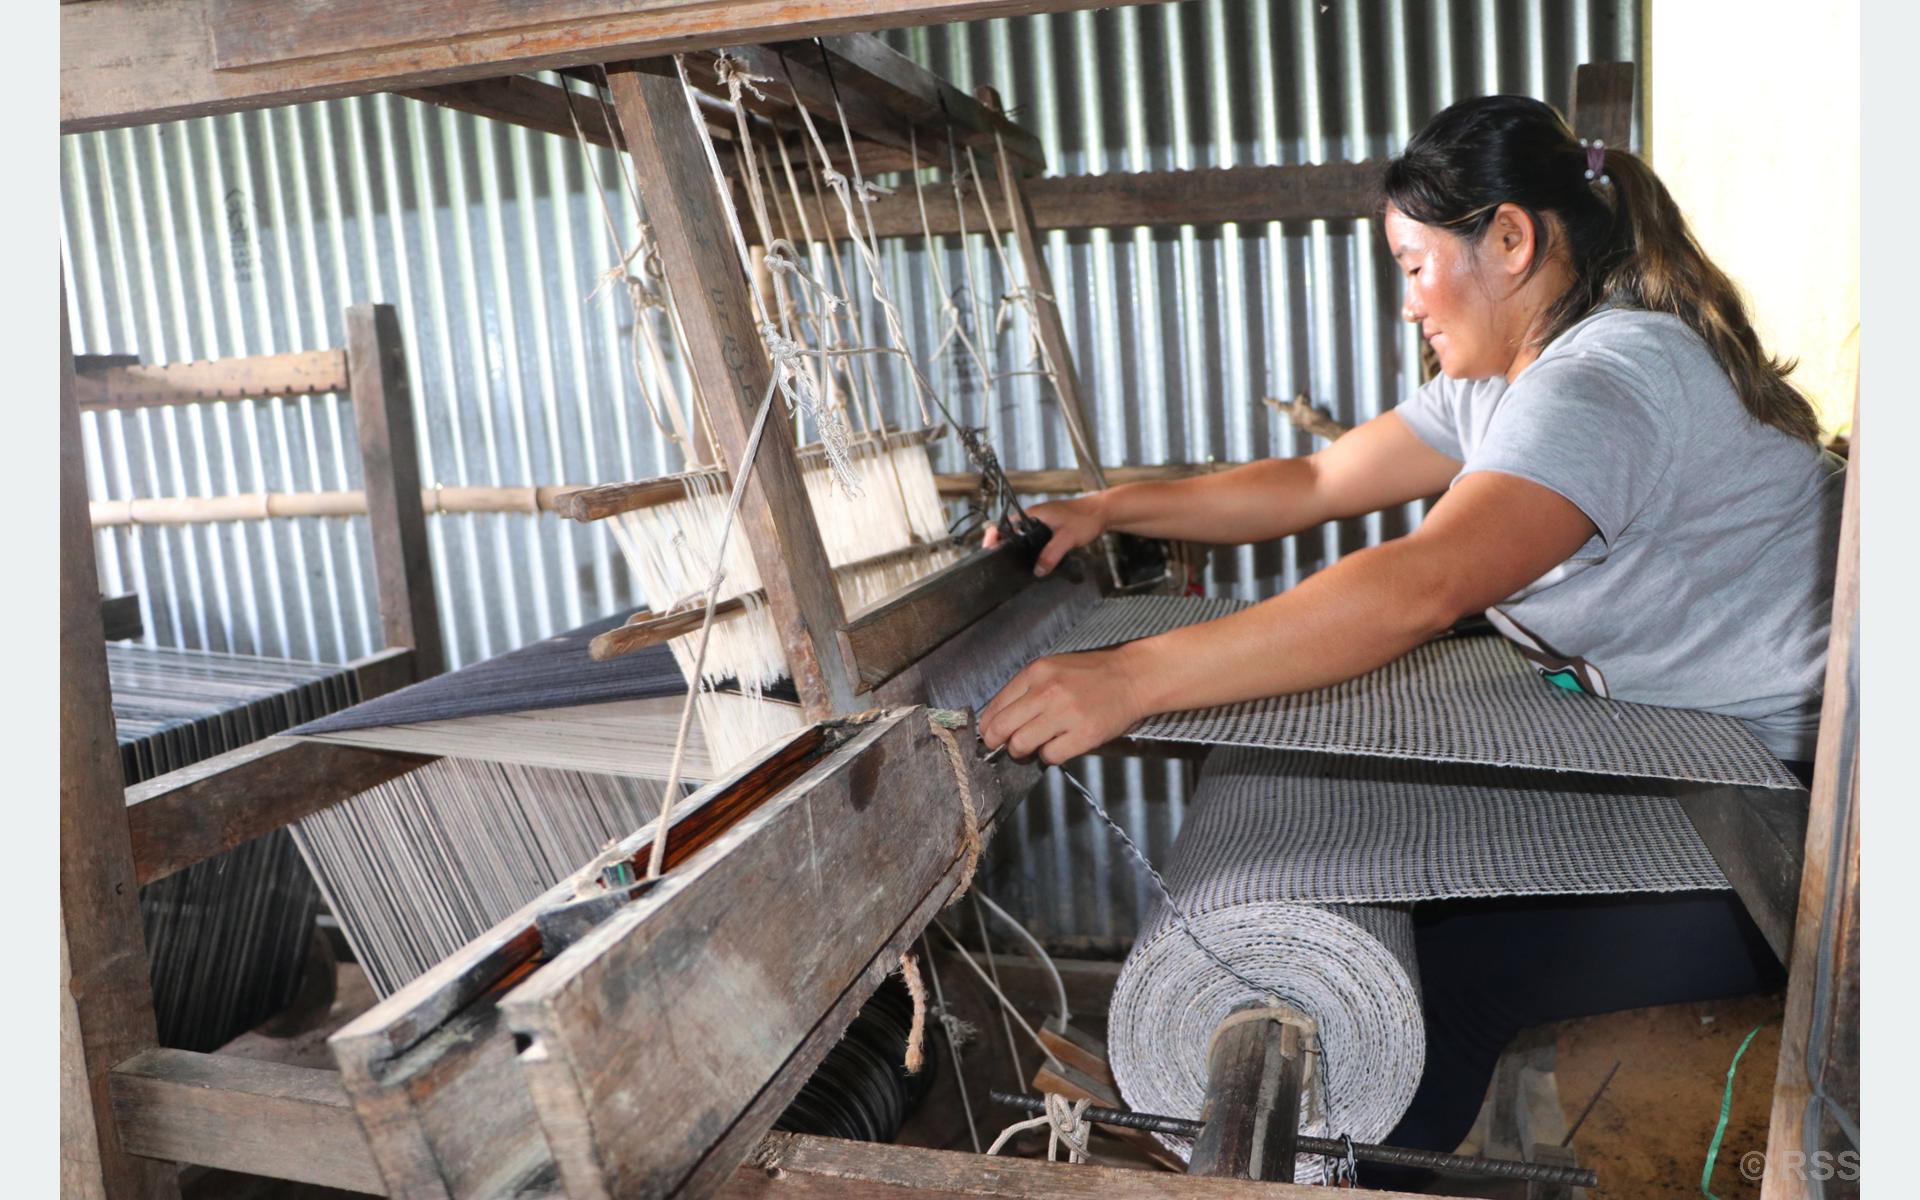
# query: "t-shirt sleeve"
x,y
1588,427
1432,414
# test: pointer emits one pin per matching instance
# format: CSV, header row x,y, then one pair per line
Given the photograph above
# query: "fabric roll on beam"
x,y
1296,869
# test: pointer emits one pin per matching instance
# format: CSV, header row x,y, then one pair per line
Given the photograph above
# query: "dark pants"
x,y
1491,968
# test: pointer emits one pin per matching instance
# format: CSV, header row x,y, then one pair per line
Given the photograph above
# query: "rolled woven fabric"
x,y
1349,967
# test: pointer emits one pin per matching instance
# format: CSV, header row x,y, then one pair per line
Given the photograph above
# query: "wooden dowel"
x,y
581,502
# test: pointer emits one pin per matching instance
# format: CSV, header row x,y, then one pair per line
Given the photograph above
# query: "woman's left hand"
x,y
1064,706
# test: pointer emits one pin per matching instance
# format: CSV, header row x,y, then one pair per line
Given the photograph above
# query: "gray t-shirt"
x,y
1711,581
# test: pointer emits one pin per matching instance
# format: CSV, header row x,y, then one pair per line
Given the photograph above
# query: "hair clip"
x,y
1596,161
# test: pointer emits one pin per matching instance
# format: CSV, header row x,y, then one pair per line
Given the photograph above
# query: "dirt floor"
x,y
1647,1137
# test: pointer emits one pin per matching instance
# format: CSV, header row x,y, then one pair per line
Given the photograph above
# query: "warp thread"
x,y
939,721
916,1056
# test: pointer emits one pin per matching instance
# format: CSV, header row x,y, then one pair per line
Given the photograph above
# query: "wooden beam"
x,y
885,638
731,369
864,64
1603,103
1827,922
305,373
519,100
1757,836
189,815
792,1166
106,1005
243,1114
960,485
1253,1102
1120,200
390,461
128,62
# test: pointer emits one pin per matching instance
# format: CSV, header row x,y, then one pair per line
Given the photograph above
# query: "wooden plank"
x,y
1603,103
1757,836
862,63
1120,200
242,1114
304,373
390,461
106,1007
1253,1103
731,370
189,815
383,671
1831,880
120,617
886,637
791,915
791,1166
127,62
525,102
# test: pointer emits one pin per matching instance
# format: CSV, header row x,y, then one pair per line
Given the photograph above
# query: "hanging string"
x,y
952,1026
643,298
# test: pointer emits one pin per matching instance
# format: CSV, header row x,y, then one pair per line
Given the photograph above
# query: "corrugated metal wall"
x,y
251,234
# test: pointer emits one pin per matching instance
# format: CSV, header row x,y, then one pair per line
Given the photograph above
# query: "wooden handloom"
x,y
500,1073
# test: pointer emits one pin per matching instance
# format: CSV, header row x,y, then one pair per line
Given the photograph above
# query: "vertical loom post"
x,y
731,373
106,1003
1053,334
1820,1030
390,460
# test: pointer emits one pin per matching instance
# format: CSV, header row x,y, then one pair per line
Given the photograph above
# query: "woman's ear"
x,y
1513,239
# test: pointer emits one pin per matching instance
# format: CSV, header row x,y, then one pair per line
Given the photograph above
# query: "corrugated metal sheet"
x,y
251,234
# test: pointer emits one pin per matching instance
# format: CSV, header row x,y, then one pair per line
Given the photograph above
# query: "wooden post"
x,y
1253,1102
731,371
1053,334
106,1003
1603,103
1827,929
390,459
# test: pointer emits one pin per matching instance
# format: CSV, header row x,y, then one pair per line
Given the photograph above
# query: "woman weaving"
x,y
1634,494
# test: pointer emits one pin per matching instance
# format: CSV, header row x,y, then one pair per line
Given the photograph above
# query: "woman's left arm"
x,y
1488,537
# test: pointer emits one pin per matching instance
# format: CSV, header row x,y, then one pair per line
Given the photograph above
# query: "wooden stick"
x,y
645,628
1304,415
118,384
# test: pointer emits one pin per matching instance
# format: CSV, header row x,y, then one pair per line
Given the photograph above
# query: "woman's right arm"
x,y
1378,464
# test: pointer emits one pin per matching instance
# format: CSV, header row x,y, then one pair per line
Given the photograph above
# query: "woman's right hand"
x,y
1074,522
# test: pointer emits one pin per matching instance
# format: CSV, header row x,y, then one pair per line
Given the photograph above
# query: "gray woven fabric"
x,y
1465,700
1269,825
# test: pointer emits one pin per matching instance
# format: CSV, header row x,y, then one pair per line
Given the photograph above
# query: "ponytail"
x,y
1627,242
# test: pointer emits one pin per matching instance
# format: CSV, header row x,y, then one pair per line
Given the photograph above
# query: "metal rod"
x,y
1446,1164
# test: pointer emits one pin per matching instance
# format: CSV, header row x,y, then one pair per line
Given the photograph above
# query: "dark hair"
x,y
1626,242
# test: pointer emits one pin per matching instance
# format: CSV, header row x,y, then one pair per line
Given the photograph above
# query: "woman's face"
x,y
1471,306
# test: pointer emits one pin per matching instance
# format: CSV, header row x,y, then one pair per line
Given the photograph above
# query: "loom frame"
x,y
129,1108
